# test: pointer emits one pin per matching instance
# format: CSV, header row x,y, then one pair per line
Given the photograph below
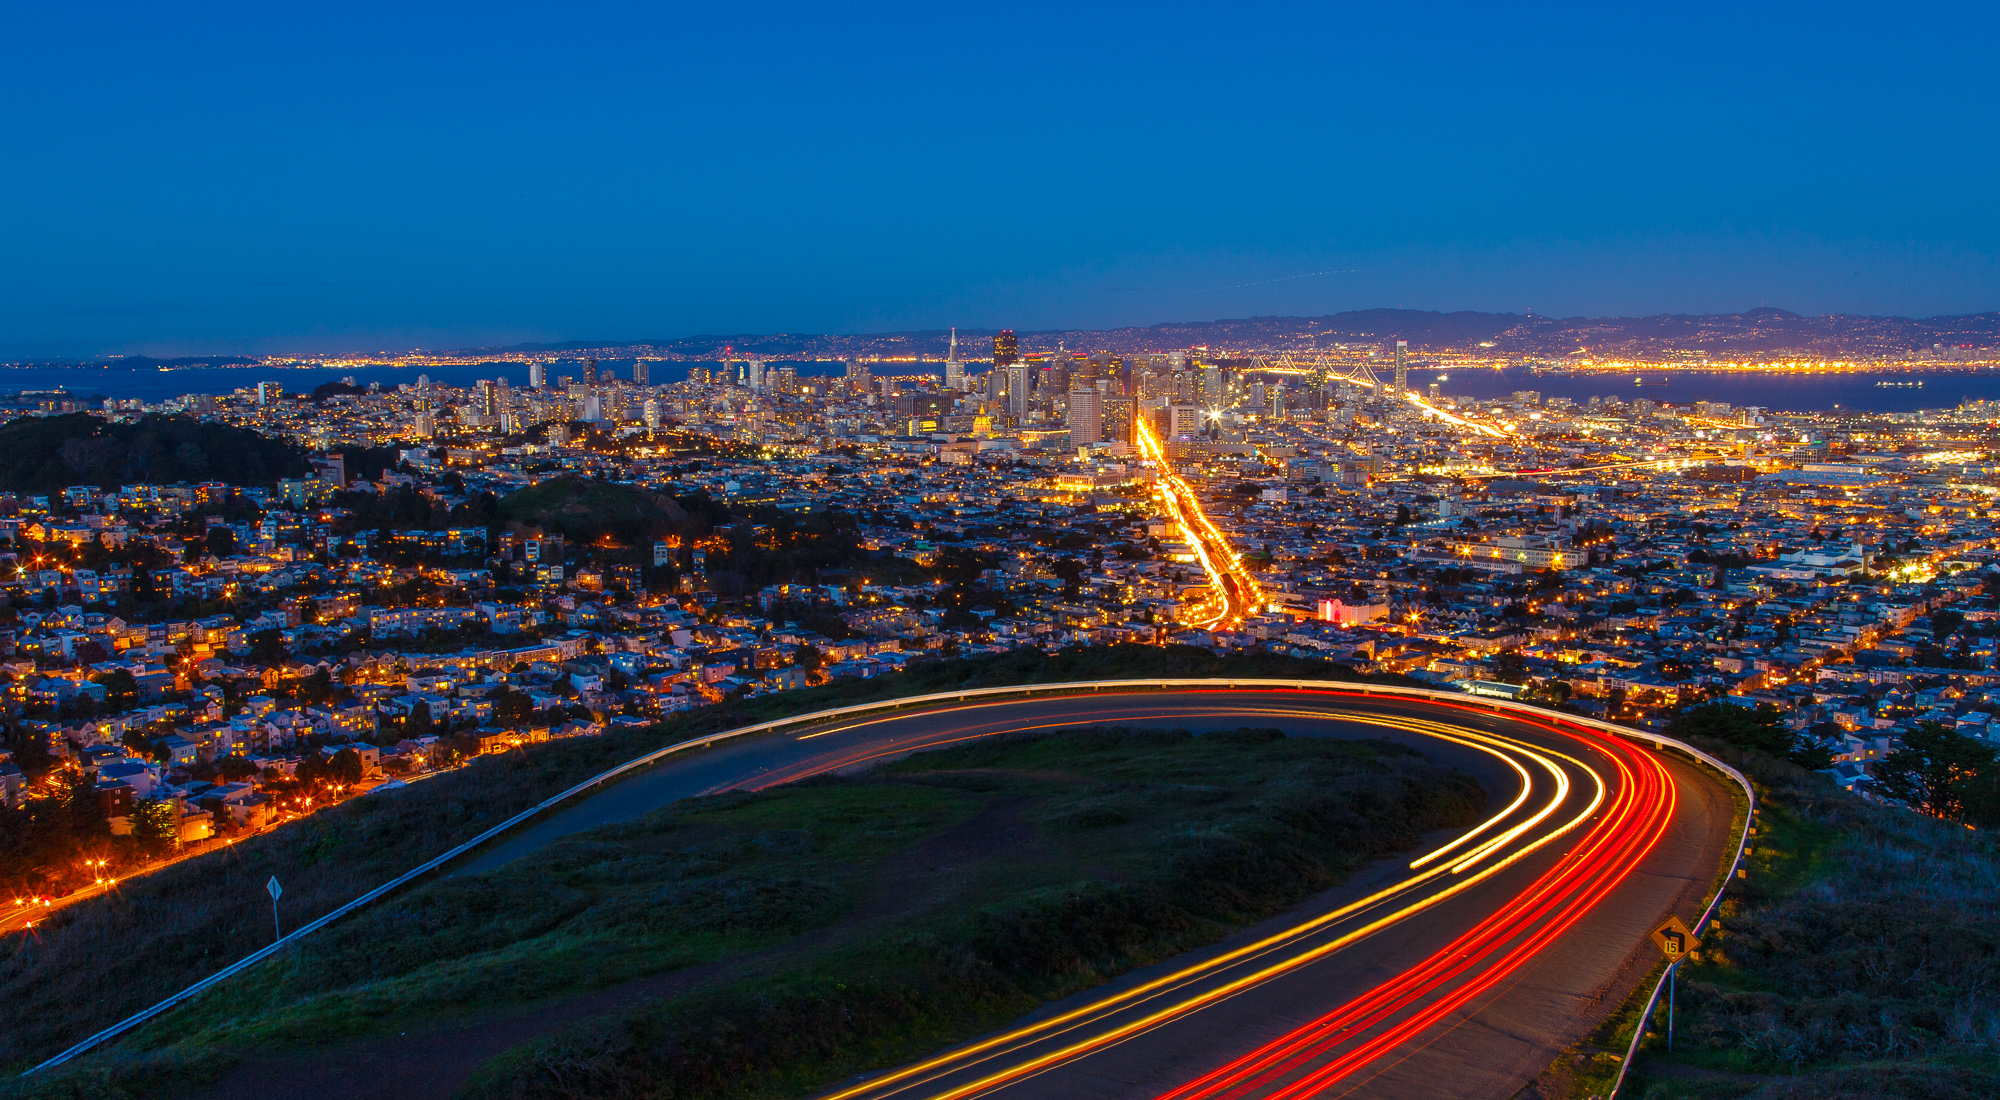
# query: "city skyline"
x,y
904,552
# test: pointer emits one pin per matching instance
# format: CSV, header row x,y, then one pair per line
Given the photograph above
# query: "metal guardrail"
x,y
1708,914
833,714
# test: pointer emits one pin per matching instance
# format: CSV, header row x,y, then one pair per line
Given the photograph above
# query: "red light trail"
x,y
1634,804
1634,823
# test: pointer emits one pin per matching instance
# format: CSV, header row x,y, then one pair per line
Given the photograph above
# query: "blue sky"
x,y
265,177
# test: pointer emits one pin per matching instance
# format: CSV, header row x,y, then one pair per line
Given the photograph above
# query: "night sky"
x,y
275,177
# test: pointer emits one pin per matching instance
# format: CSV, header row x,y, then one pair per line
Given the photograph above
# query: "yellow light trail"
x,y
1505,748
1450,419
1222,564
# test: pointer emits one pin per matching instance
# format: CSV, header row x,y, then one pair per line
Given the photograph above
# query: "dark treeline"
x,y
44,454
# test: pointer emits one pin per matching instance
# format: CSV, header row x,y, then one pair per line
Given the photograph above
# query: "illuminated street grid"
x,y
1616,556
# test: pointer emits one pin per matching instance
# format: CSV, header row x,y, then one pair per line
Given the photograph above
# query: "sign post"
x,y
1676,942
275,890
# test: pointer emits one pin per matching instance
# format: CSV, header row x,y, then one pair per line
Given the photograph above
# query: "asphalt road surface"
x,y
1462,971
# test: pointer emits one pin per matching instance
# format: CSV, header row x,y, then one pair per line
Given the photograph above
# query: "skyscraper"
x,y
754,374
642,373
1118,414
1006,349
1017,389
538,375
653,414
1214,385
486,397
1086,416
1402,368
590,372
858,380
954,371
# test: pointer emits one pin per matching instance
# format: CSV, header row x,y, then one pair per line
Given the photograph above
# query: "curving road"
x,y
1236,590
1460,972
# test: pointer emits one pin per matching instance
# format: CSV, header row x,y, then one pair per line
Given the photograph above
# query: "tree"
x,y
121,691
267,647
1760,730
1942,772
345,768
317,687
1945,623
1071,572
156,821
1510,667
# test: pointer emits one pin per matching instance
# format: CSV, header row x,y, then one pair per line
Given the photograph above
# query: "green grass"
x,y
102,960
1860,958
846,923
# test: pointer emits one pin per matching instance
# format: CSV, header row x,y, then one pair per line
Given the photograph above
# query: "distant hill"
x,y
1763,332
142,362
43,454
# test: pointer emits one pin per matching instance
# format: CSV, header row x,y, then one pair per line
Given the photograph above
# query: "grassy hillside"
x,y
172,928
1860,958
43,454
844,924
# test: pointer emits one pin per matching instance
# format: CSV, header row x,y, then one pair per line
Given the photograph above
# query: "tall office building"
x,y
754,374
1118,414
1086,416
1006,349
590,372
1214,386
642,373
485,397
653,417
1402,368
857,378
954,371
1183,421
1017,389
538,376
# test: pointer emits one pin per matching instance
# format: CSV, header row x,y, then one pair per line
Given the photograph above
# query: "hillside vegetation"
x,y
181,924
1860,958
584,508
43,454
845,924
